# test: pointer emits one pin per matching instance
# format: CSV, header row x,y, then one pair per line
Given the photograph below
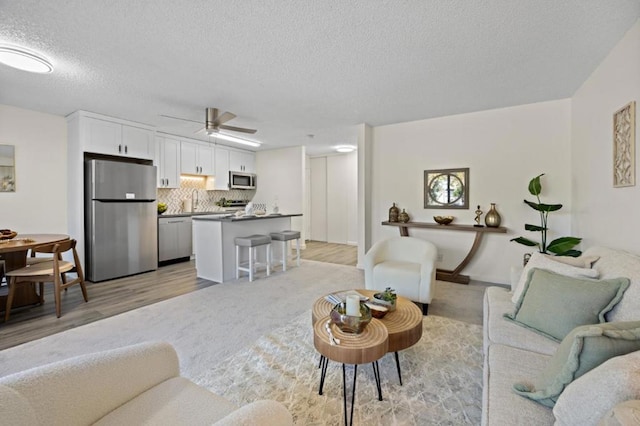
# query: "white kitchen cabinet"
x,y
242,161
168,162
197,158
107,137
221,181
137,142
174,238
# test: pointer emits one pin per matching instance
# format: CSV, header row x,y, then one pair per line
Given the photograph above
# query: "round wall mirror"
x,y
446,189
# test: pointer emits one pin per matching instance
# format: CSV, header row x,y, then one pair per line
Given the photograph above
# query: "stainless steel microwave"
x,y
241,180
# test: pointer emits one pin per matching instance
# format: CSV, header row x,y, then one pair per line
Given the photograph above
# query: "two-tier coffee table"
x,y
404,325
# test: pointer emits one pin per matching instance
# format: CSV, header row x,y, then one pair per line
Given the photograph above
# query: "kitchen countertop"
x,y
233,218
187,214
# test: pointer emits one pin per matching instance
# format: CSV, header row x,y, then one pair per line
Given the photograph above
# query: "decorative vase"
x,y
492,218
403,217
393,213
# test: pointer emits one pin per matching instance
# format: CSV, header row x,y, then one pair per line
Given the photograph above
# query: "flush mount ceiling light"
x,y
345,148
24,59
233,139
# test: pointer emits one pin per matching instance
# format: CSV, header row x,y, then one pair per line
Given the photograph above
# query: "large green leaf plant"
x,y
560,246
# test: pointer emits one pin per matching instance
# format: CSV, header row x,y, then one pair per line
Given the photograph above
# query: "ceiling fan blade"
x,y
226,116
178,118
237,129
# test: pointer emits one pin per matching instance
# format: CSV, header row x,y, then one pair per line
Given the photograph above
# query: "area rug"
x,y
442,378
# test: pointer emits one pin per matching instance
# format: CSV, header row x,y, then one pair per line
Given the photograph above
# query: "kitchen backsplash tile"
x,y
206,199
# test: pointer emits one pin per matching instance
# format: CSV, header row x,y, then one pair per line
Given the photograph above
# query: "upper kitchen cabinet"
x,y
242,161
197,158
168,162
113,138
221,182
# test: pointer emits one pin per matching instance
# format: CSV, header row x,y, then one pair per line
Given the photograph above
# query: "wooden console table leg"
x,y
404,231
455,276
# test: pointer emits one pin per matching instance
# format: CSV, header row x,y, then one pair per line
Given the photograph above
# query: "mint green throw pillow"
x,y
584,348
553,304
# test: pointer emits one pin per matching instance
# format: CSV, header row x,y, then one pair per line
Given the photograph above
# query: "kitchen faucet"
x,y
194,199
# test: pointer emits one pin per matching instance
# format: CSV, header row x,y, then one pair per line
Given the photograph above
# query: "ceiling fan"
x,y
214,122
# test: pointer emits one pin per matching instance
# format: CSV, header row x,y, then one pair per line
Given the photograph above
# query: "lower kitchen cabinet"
x,y
174,238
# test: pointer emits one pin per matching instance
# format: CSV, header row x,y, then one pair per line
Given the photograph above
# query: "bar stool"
x,y
284,237
253,242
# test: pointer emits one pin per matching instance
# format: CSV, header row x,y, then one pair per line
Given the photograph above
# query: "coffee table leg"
x,y
398,367
320,363
344,392
376,374
323,364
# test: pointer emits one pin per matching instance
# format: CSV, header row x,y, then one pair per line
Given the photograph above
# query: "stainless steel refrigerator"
x,y
121,225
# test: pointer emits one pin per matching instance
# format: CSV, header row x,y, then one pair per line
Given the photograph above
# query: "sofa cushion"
x,y
583,349
505,365
539,260
626,413
579,262
15,410
588,398
618,263
497,302
174,401
554,304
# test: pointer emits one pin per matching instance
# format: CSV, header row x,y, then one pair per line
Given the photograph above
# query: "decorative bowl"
x,y
347,323
7,234
378,300
377,311
443,220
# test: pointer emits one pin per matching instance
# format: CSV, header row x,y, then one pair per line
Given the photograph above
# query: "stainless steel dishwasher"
x,y
174,239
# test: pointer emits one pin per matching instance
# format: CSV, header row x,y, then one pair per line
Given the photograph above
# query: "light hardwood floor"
x,y
342,254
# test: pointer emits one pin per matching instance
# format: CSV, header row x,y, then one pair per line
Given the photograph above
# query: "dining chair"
x,y
53,271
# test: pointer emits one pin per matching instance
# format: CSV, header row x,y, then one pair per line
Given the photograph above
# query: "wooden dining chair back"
x,y
54,271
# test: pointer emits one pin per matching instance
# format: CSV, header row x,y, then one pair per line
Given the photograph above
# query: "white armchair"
x,y
405,264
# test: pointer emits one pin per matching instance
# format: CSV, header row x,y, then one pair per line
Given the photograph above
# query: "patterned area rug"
x,y
442,378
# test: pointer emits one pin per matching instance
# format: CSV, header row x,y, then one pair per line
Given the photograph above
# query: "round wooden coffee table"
x,y
404,325
366,347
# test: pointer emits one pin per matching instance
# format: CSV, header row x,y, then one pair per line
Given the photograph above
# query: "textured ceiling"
x,y
295,68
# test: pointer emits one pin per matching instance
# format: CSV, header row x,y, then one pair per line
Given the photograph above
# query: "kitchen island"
x,y
214,241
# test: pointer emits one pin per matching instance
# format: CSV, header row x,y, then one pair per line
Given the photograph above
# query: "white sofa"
x,y
135,385
405,264
513,353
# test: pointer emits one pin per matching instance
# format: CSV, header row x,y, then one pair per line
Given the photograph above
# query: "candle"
x,y
353,306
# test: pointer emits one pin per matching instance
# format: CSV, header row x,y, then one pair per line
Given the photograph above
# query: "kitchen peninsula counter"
x,y
214,241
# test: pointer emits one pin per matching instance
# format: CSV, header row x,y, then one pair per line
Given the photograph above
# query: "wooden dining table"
x,y
14,253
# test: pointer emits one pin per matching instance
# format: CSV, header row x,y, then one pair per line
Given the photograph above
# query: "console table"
x,y
451,275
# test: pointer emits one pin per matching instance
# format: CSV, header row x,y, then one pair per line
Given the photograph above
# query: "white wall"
x,y
40,201
504,149
318,199
281,176
603,214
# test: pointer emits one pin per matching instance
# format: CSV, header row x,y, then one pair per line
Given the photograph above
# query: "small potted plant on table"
x,y
386,298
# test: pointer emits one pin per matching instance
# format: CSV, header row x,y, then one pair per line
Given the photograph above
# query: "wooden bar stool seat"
x,y
284,237
252,242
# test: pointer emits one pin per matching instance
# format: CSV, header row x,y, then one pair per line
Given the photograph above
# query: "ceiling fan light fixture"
x,y
235,139
24,59
345,148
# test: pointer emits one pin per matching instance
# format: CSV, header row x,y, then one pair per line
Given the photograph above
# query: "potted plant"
x,y
386,298
562,246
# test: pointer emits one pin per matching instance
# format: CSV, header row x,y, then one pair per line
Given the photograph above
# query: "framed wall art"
x,y
446,189
7,168
624,141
